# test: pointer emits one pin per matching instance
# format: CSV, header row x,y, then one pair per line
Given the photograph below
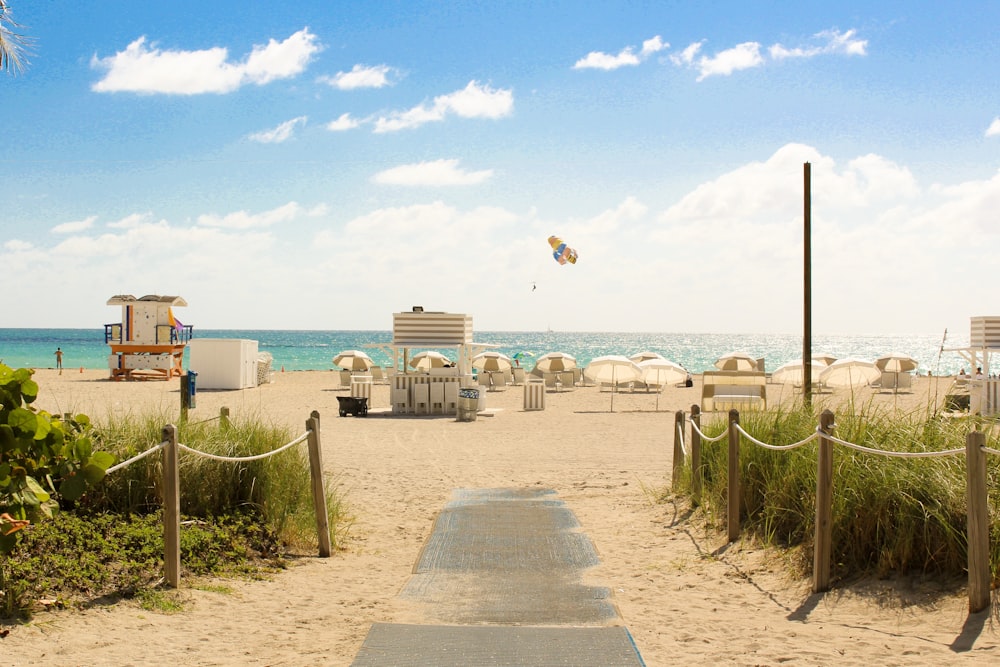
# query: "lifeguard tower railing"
x,y
165,334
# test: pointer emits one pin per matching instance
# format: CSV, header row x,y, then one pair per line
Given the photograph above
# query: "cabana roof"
x,y
124,299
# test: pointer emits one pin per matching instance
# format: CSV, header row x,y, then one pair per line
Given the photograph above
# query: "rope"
x,y
705,437
901,455
135,458
680,436
777,447
256,457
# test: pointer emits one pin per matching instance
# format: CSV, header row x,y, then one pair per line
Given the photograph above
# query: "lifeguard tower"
x,y
436,389
984,340
149,341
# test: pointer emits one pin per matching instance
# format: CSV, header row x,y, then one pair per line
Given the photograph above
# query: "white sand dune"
x,y
685,596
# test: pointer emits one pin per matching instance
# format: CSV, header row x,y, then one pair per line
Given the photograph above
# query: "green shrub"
x,y
889,514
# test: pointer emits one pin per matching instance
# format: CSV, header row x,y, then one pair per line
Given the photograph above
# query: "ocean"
x,y
314,350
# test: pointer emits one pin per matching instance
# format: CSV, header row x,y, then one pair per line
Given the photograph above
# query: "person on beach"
x,y
59,359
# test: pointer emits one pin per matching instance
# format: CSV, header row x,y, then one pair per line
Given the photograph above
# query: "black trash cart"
x,y
353,405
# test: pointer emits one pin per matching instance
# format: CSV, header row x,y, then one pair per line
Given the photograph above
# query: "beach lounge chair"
x,y
567,379
517,376
451,398
484,380
551,381
508,376
378,375
345,379
437,398
421,399
400,400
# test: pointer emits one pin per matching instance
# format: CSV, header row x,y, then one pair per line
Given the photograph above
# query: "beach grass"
x,y
238,518
890,515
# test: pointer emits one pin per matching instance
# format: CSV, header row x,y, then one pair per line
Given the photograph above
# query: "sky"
x,y
322,165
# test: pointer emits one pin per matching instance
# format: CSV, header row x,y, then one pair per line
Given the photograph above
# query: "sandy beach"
x,y
684,595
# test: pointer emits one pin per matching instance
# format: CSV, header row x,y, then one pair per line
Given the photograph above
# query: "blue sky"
x,y
322,165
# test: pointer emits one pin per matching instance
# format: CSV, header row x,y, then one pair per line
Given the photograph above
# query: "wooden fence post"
x,y
823,538
224,418
171,509
318,488
733,514
696,453
678,448
978,522
185,397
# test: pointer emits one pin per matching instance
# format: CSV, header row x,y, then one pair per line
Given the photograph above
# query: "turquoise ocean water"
x,y
314,350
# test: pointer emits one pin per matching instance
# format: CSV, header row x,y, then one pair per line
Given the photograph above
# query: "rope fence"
x,y
977,510
171,485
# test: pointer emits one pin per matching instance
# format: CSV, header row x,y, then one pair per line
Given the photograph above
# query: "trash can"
x,y
534,394
468,404
192,389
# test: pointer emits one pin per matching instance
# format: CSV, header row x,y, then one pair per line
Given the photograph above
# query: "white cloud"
x,y
14,245
748,54
360,76
686,57
279,134
432,173
625,57
740,57
343,122
244,220
131,221
605,61
834,42
994,129
74,226
473,101
147,69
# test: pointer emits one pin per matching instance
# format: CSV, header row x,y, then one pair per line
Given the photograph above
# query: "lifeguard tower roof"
x,y
123,299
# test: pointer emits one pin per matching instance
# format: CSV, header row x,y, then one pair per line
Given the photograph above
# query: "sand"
x,y
686,596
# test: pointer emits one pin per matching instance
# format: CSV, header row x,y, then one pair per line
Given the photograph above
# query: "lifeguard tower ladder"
x,y
149,341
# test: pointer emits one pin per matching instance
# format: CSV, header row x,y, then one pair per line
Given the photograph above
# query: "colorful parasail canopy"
x,y
561,252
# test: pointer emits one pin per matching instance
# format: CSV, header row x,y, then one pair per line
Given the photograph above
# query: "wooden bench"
x,y
722,390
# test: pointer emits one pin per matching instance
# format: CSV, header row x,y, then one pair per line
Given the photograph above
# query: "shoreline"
x,y
684,594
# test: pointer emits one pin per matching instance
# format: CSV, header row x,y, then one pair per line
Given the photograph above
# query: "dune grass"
x,y
890,515
236,517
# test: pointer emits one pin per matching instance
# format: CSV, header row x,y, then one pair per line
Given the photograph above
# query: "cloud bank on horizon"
x,y
267,206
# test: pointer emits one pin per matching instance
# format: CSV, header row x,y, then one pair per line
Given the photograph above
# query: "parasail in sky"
x,y
561,252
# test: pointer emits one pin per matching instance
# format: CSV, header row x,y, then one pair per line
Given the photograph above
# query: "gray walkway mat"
x,y
498,561
508,556
512,646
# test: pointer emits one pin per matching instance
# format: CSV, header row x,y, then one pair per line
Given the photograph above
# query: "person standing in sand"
x,y
59,359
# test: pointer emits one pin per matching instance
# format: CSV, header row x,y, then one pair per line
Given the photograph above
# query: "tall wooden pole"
x,y
807,285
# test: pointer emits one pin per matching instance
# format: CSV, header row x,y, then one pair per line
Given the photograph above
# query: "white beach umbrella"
x,y
897,362
612,368
824,358
644,356
491,361
849,373
736,361
553,362
661,372
429,359
791,373
353,360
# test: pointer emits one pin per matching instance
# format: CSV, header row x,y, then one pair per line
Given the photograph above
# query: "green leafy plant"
x,y
44,460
